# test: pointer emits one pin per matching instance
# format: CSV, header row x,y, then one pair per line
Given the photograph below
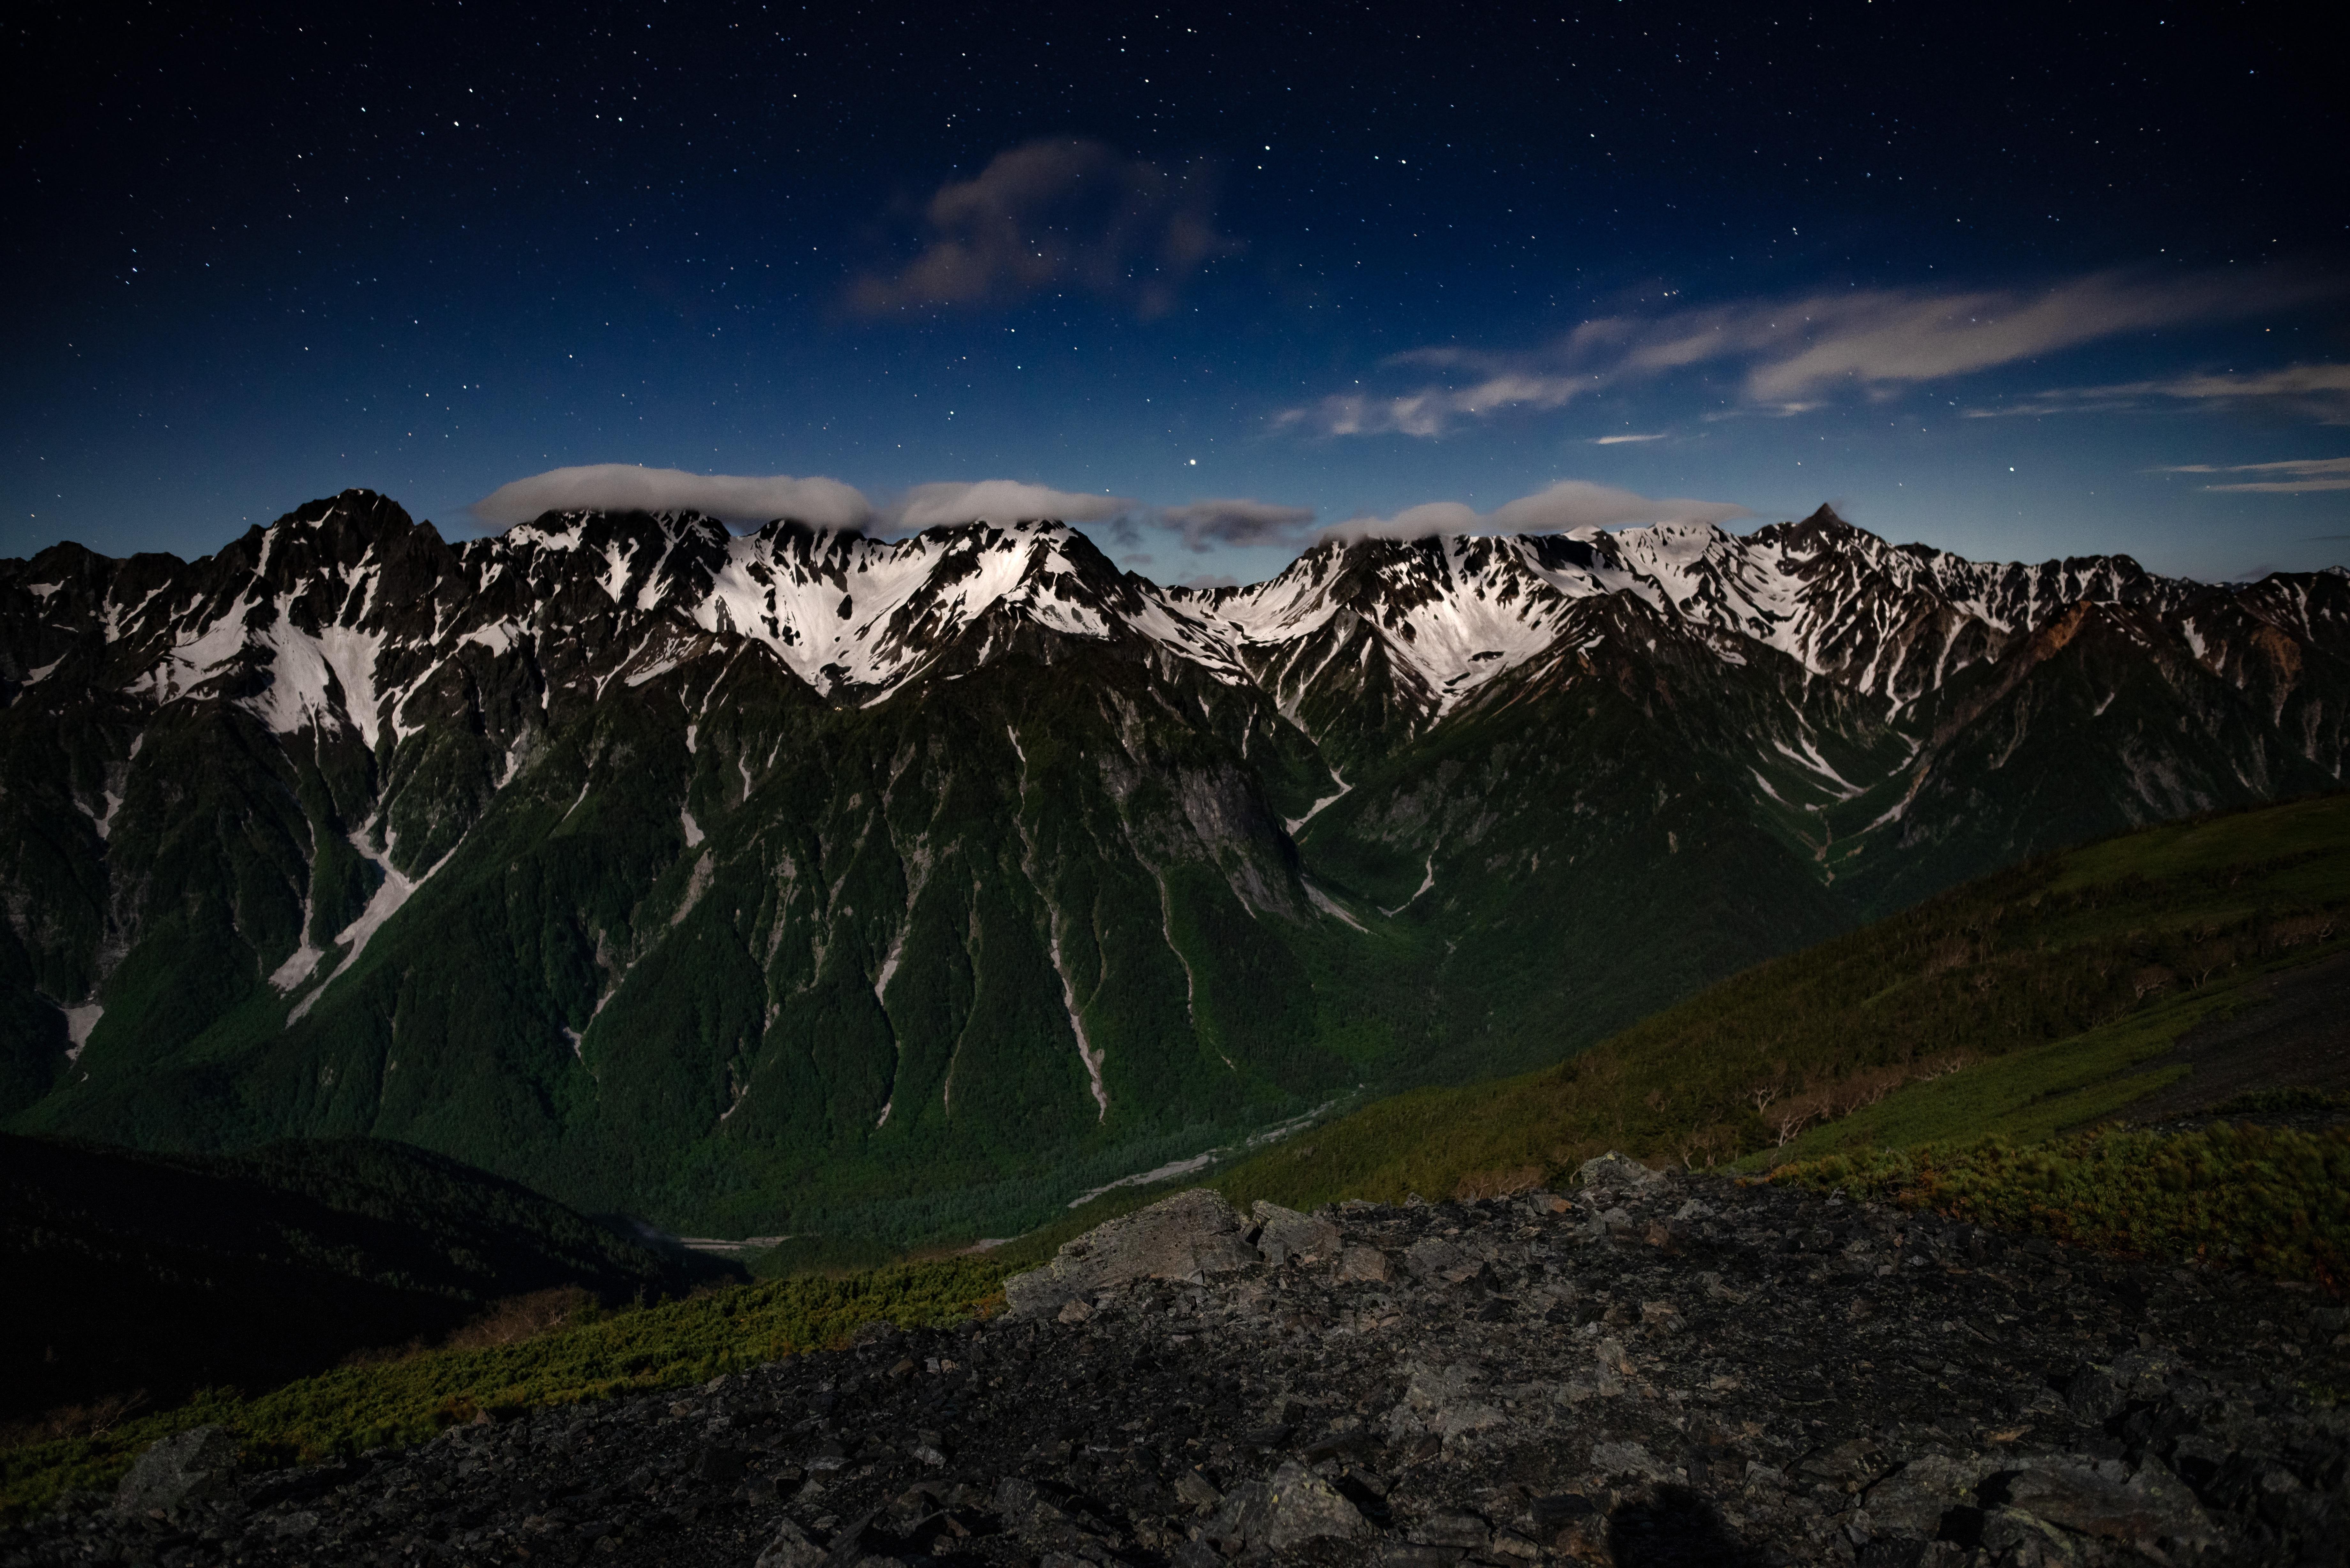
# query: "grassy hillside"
x,y
122,1272
2016,1004
590,1355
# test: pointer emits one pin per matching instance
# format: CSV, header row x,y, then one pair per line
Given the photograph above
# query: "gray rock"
x,y
1288,1236
791,1548
1909,1503
1453,1527
1187,1237
1613,1172
192,1467
1433,1258
1363,1264
2149,1507
1627,1460
1293,1506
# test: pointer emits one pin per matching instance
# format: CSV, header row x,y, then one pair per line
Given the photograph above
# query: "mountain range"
x,y
802,879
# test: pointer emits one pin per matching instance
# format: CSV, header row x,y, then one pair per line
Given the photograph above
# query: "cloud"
x,y
625,487
2317,392
997,501
1620,439
2294,477
1058,215
1569,505
1207,581
1790,353
1241,524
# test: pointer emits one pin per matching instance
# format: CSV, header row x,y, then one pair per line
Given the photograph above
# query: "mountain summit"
x,y
922,883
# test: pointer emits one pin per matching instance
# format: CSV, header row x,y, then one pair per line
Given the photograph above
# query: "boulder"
x,y
1286,1236
189,1467
1614,1173
1910,1503
1293,1506
1187,1237
2103,1499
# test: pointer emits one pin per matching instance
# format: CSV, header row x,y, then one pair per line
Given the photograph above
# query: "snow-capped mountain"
x,y
665,866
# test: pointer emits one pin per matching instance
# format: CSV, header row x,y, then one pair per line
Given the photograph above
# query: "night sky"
x,y
2018,282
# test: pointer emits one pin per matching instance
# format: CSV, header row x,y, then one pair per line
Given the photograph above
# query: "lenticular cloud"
x,y
1569,505
625,487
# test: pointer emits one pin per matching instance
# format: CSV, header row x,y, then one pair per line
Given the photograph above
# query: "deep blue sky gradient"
x,y
261,255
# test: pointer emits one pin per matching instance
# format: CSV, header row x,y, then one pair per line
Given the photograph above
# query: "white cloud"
x,y
1058,214
997,501
1790,352
1569,505
1242,524
1620,439
2317,392
2294,477
626,487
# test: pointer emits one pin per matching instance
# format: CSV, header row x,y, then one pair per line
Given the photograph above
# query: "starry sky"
x,y
2017,281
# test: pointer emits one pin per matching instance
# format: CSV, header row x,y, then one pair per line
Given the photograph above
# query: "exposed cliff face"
x,y
668,867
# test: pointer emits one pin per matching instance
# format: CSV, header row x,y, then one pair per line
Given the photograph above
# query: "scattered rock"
x,y
1528,1388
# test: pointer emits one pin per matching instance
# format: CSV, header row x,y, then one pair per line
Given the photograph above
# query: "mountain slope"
x,y
168,1274
797,878
2045,996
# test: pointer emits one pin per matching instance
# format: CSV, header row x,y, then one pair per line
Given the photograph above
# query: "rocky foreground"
x,y
1654,1370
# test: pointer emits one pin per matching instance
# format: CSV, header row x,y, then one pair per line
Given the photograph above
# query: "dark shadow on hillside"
x,y
1676,1528
2291,1031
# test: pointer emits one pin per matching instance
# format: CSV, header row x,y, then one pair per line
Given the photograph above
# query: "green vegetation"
x,y
594,1354
2272,1199
1946,1057
2018,1004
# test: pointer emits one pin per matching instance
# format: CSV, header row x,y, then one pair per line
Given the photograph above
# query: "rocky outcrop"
x,y
1187,1237
1648,1370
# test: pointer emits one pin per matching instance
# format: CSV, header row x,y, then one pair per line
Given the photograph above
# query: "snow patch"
x,y
693,828
1426,882
395,890
1329,905
79,1021
1086,1053
296,969
1295,824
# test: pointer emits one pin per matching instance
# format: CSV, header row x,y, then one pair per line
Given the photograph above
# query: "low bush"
x,y
2272,1199
582,1353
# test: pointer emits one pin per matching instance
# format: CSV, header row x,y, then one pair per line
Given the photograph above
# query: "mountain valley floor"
x,y
1655,1369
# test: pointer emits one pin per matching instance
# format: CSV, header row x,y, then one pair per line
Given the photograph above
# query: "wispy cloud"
x,y
2316,391
1620,439
626,487
1569,505
1239,524
1058,214
2294,477
1789,354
